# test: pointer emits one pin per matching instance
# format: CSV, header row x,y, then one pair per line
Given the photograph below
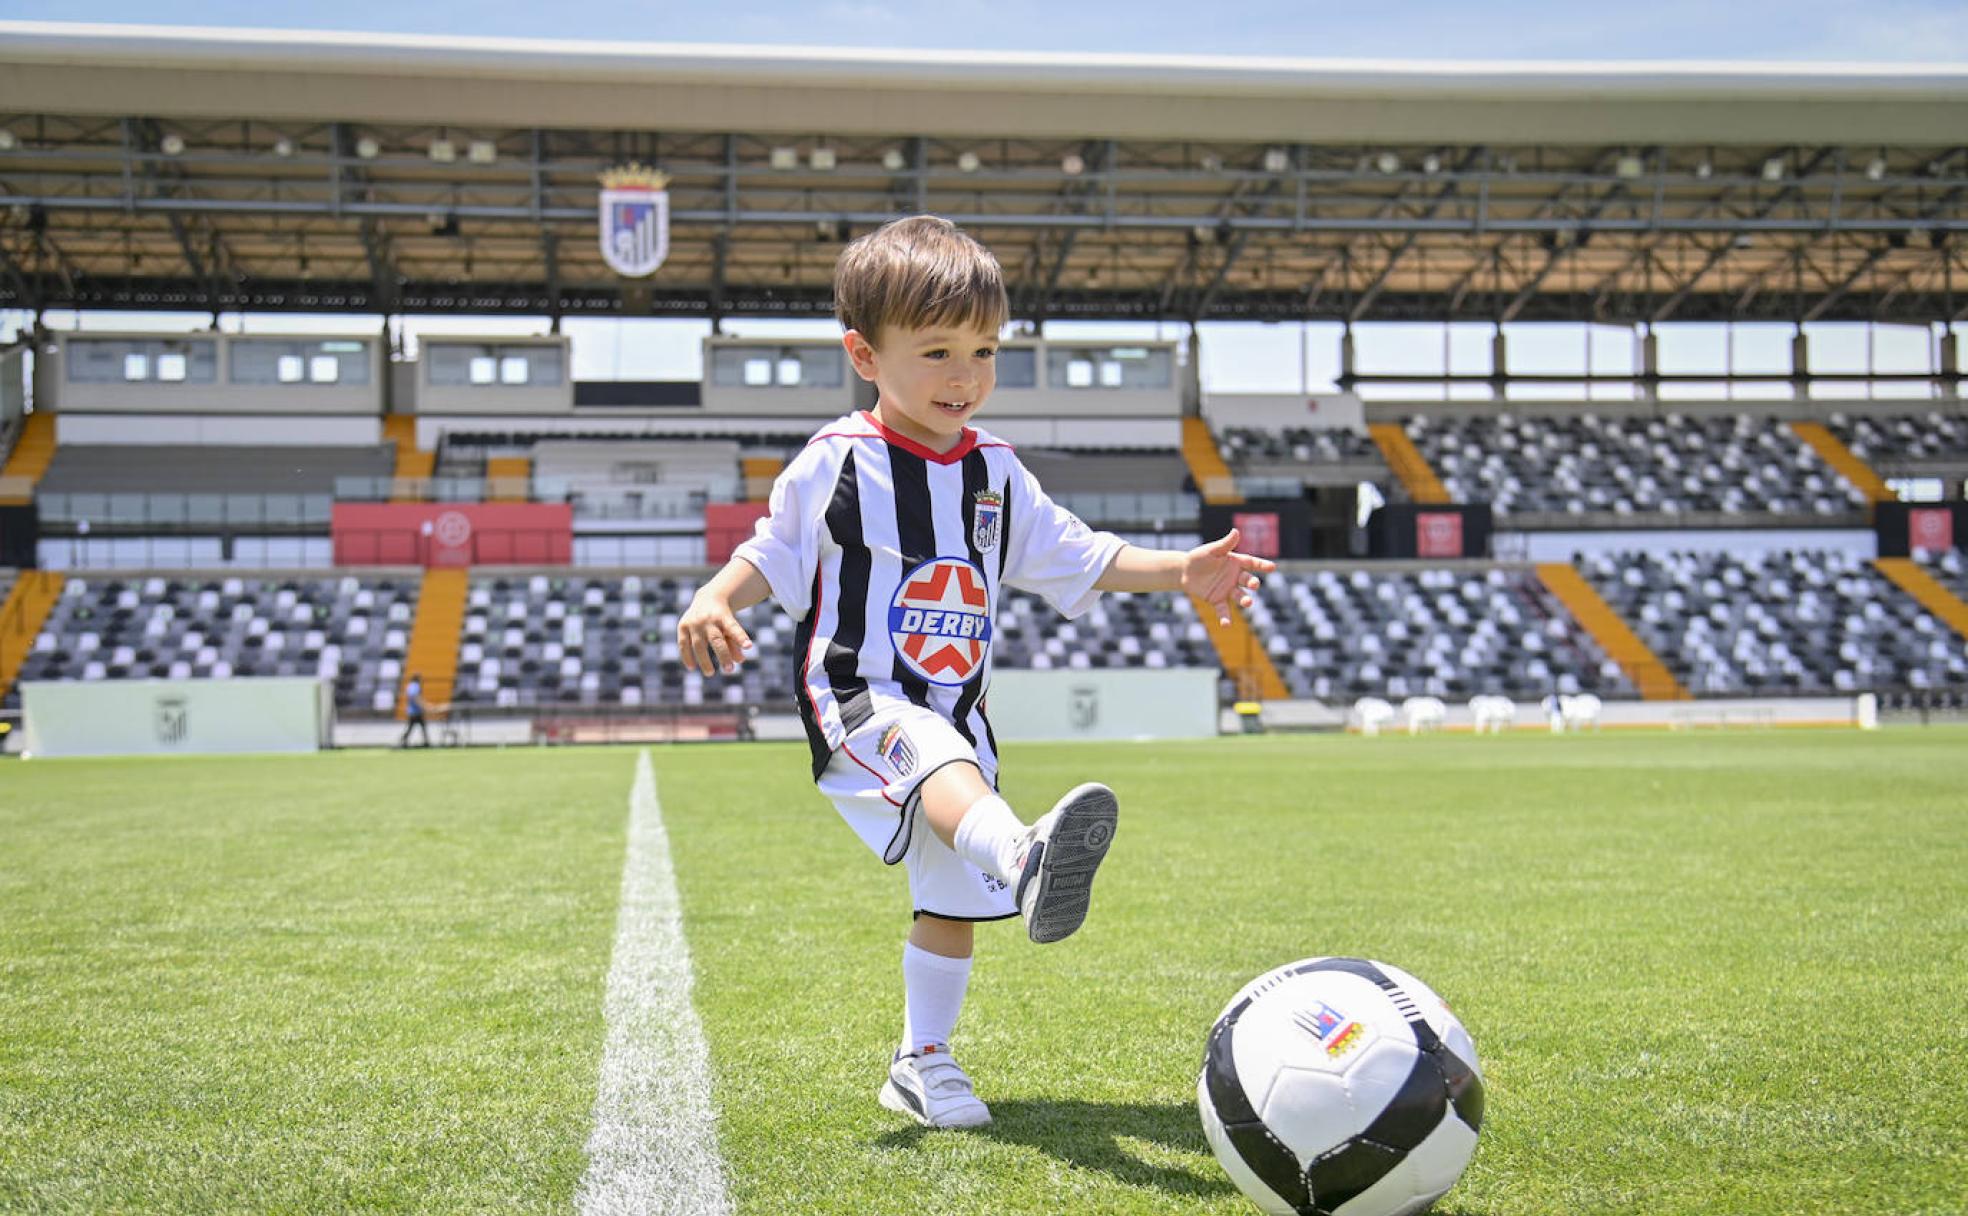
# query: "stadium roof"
x,y
189,168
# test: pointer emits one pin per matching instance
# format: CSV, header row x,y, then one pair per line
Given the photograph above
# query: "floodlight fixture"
x,y
1072,164
822,159
367,148
7,140
1704,168
1629,166
283,147
443,151
481,152
893,160
785,157
1202,234
1388,162
1276,160
968,161
1211,162
1875,168
1431,163
172,144
1773,169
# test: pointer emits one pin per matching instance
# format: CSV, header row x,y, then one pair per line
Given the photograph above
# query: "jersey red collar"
x,y
965,442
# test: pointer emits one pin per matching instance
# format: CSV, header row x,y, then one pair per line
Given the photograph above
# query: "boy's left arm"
x,y
1215,573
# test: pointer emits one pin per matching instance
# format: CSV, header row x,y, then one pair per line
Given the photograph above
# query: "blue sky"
x,y
1819,30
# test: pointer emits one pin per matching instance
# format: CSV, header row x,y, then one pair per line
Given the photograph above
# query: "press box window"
x,y
1120,367
337,362
783,367
1018,367
136,367
119,361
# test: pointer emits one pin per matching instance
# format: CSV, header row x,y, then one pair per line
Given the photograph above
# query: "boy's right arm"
x,y
709,635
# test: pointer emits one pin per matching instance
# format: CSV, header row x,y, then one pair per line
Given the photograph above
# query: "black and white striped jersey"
x,y
891,558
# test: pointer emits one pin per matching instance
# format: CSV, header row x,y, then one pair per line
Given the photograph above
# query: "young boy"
x,y
889,539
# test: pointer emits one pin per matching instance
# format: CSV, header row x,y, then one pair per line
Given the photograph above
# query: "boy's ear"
x,y
860,352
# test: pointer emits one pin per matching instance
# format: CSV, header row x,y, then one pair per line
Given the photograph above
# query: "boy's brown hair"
x,y
916,273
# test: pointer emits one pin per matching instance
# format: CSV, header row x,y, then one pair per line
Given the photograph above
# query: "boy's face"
x,y
931,380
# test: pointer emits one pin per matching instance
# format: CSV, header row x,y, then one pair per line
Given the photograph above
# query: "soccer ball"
x,y
1340,1087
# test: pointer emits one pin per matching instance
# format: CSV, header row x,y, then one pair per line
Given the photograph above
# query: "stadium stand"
x,y
1672,464
1114,488
1785,623
1249,449
1890,440
1341,635
1950,571
180,485
350,629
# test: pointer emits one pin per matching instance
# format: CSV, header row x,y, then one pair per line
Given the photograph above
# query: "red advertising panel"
x,y
1438,534
727,525
1259,532
1930,528
453,534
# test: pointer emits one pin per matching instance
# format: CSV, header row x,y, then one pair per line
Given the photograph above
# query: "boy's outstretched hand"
x,y
709,635
1217,574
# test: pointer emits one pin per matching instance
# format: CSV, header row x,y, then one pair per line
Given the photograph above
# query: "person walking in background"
x,y
413,709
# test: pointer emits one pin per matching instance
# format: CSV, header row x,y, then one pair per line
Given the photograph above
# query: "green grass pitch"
x,y
1705,973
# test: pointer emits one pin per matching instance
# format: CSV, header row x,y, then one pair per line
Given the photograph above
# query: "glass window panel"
x,y
513,369
758,372
1544,349
1079,373
484,369
1902,348
789,371
1838,346
136,366
1615,351
288,369
171,368
1110,374
1395,349
1018,367
1760,349
1695,349
324,369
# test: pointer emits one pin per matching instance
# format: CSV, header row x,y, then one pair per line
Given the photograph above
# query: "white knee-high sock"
x,y
990,837
934,990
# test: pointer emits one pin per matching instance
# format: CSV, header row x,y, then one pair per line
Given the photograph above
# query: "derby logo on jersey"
x,y
987,519
940,620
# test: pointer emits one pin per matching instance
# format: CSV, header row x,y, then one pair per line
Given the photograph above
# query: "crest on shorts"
x,y
898,751
987,520
635,219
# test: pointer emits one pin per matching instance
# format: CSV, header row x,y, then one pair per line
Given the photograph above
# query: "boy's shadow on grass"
x,y
1088,1134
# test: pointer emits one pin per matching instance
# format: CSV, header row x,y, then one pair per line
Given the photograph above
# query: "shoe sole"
x,y
1067,860
894,1099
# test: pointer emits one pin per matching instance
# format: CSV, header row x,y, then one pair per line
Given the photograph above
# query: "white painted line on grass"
x,y
654,1145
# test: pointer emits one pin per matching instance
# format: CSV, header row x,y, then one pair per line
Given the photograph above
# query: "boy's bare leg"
x,y
948,938
950,792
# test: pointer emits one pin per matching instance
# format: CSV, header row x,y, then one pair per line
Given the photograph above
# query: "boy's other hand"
x,y
1219,575
709,635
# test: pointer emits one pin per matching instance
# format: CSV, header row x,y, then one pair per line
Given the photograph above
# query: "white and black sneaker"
x,y
1063,849
930,1088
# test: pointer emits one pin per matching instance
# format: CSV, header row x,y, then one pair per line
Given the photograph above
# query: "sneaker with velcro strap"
x,y
929,1087
1063,849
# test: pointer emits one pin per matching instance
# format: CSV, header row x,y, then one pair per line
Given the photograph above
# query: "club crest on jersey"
x,y
987,520
940,620
898,751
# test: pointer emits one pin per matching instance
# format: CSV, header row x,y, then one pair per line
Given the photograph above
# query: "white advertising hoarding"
x,y
1171,703
161,717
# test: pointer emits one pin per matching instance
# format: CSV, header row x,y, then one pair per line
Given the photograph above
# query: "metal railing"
x,y
127,511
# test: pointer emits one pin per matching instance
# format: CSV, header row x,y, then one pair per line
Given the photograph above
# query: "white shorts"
x,y
873,782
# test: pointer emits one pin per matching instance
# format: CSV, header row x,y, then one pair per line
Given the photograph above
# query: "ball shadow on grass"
x,y
1088,1135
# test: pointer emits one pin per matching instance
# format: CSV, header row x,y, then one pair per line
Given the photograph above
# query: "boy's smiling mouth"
x,y
952,407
